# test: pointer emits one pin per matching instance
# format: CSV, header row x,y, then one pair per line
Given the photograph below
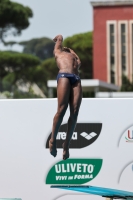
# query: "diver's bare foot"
x,y
52,148
65,151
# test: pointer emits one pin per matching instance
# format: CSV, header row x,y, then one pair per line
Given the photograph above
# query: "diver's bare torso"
x,y
67,63
67,60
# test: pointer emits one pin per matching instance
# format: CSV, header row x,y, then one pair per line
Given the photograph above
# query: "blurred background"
x,y
100,32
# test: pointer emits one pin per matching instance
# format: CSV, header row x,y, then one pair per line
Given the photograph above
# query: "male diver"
x,y
69,92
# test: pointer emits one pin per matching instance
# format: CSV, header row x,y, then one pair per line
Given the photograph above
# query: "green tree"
x,y
15,67
25,95
40,74
127,86
14,18
82,45
45,71
50,68
41,47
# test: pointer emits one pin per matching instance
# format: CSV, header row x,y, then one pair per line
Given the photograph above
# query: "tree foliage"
x,y
127,86
50,68
16,61
41,47
82,45
46,71
16,66
14,18
25,95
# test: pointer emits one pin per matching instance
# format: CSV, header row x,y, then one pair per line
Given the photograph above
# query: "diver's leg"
x,y
63,94
75,101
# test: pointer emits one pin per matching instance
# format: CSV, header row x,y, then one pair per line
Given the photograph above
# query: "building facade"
x,y
113,41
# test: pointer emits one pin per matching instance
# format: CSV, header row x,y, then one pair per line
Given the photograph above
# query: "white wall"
x,y
24,161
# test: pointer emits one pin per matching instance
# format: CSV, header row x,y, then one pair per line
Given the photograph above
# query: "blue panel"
x,y
107,192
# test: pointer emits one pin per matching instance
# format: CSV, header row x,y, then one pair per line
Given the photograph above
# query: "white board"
x,y
25,161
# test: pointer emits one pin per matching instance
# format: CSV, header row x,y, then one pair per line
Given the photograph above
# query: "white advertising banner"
x,y
100,151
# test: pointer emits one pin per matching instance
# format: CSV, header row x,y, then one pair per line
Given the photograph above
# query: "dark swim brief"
x,y
73,78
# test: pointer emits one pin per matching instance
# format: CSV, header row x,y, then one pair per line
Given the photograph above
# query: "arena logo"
x,y
84,135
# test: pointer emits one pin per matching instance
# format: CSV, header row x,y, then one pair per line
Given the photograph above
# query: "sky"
x,y
53,17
